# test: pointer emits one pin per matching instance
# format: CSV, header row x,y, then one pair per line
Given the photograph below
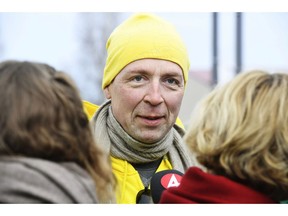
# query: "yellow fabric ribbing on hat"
x,y
143,36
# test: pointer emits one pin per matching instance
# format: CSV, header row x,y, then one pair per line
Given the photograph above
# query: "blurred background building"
x,y
220,45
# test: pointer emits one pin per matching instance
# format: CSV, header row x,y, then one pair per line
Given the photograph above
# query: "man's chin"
x,y
150,138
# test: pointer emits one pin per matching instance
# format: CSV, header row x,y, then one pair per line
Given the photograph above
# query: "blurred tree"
x,y
95,29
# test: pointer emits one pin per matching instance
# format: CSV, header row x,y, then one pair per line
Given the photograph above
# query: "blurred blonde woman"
x,y
47,151
239,132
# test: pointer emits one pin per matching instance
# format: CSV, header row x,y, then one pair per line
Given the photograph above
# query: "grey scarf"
x,y
34,180
109,133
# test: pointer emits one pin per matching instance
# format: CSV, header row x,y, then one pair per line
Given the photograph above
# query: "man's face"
x,y
146,97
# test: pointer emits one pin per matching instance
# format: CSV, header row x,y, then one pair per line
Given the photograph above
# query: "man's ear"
x,y
107,92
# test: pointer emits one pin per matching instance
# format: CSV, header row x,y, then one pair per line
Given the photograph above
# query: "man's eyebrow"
x,y
137,71
174,73
140,71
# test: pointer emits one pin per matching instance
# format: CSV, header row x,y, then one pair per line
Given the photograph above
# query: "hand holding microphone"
x,y
163,180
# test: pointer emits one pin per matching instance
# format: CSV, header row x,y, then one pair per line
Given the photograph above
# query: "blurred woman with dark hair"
x,y
47,150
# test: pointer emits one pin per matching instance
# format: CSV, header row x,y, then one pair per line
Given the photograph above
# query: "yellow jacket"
x,y
129,182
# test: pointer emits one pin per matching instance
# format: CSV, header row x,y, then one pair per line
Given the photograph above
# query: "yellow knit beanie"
x,y
143,36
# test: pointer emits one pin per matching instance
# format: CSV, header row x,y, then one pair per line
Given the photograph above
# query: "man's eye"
x,y
138,78
172,81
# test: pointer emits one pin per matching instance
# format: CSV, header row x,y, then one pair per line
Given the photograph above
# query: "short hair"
x,y
240,130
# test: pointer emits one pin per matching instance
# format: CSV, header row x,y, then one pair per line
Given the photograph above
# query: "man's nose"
x,y
154,93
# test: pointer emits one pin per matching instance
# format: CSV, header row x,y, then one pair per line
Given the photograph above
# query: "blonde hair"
x,y
240,130
42,116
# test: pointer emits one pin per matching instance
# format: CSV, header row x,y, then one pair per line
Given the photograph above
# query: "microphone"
x,y
162,180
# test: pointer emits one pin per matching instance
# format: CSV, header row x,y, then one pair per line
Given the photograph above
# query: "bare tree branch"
x,y
95,29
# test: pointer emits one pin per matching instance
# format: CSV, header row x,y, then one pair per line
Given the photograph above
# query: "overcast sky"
x,y
52,37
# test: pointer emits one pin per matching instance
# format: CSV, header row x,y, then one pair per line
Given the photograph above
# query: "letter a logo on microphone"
x,y
171,180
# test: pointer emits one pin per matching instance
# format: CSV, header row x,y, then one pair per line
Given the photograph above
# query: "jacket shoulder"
x,y
89,108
